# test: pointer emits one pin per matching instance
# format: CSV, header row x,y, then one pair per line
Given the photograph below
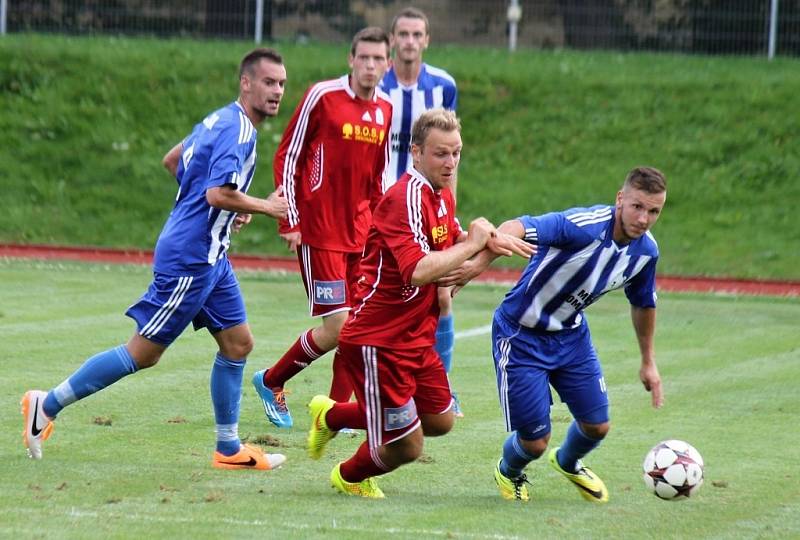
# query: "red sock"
x,y
296,359
344,415
341,384
360,466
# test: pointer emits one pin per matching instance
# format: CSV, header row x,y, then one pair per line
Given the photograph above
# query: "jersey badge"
x,y
329,293
399,417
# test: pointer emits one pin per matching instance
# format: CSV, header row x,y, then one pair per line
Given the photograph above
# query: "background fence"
x,y
693,26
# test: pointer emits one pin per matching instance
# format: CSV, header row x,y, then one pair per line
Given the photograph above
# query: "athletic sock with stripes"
x,y
296,359
226,395
99,371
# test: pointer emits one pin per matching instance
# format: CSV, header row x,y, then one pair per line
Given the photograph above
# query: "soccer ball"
x,y
673,470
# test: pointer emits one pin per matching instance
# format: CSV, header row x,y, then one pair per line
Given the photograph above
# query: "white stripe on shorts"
x,y
504,348
165,312
372,394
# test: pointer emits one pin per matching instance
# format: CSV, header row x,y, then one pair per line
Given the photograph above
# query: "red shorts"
x,y
394,386
329,278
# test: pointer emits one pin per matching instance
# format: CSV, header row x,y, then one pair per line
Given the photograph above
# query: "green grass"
x,y
729,366
86,120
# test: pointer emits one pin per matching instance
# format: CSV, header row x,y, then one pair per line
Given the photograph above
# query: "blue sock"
x,y
444,341
226,395
515,457
99,371
575,446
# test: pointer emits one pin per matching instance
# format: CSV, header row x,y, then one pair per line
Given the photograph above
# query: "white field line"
x,y
472,332
79,514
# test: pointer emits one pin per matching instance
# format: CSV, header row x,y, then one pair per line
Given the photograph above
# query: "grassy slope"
x,y
148,474
86,121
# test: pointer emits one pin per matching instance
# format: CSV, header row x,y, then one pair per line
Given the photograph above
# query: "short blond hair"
x,y
440,119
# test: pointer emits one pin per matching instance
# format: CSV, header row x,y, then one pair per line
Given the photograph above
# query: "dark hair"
x,y
647,179
411,13
433,119
372,34
255,56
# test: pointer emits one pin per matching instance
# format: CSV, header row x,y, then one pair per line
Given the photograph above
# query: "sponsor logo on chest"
x,y
362,133
440,234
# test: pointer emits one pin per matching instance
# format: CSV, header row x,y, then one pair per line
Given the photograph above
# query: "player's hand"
x,y
276,204
508,245
480,230
462,275
240,221
292,240
651,380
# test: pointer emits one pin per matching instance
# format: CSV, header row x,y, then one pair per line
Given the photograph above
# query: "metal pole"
x,y
259,20
514,14
3,10
773,28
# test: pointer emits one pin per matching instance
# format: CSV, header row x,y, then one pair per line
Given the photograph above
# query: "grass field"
x,y
133,460
85,125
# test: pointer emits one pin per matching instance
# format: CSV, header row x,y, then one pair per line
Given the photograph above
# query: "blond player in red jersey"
x,y
387,343
331,163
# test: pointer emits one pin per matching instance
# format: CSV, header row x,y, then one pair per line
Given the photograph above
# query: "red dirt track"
x,y
290,264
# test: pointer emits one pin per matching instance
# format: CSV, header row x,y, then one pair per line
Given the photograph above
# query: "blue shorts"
x,y
527,362
212,300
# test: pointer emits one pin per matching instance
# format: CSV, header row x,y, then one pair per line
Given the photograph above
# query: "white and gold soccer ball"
x,y
673,470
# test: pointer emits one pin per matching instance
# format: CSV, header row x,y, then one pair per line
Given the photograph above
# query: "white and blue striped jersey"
x,y
221,150
435,88
577,262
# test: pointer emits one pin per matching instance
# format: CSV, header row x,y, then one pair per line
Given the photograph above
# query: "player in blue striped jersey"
x,y
193,281
540,335
415,87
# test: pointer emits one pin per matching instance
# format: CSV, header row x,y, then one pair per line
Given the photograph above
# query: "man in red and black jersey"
x,y
387,342
331,163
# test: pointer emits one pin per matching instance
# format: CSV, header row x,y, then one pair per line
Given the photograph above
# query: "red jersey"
x,y
410,221
331,163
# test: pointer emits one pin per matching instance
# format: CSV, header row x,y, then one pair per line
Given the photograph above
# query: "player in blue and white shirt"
x,y
541,338
193,281
415,87
412,85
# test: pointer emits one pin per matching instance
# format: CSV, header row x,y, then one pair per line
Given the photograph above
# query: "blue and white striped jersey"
x,y
576,263
221,150
434,88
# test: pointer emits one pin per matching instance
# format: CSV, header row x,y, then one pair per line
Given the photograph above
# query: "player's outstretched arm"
x,y
644,323
507,241
233,200
172,158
